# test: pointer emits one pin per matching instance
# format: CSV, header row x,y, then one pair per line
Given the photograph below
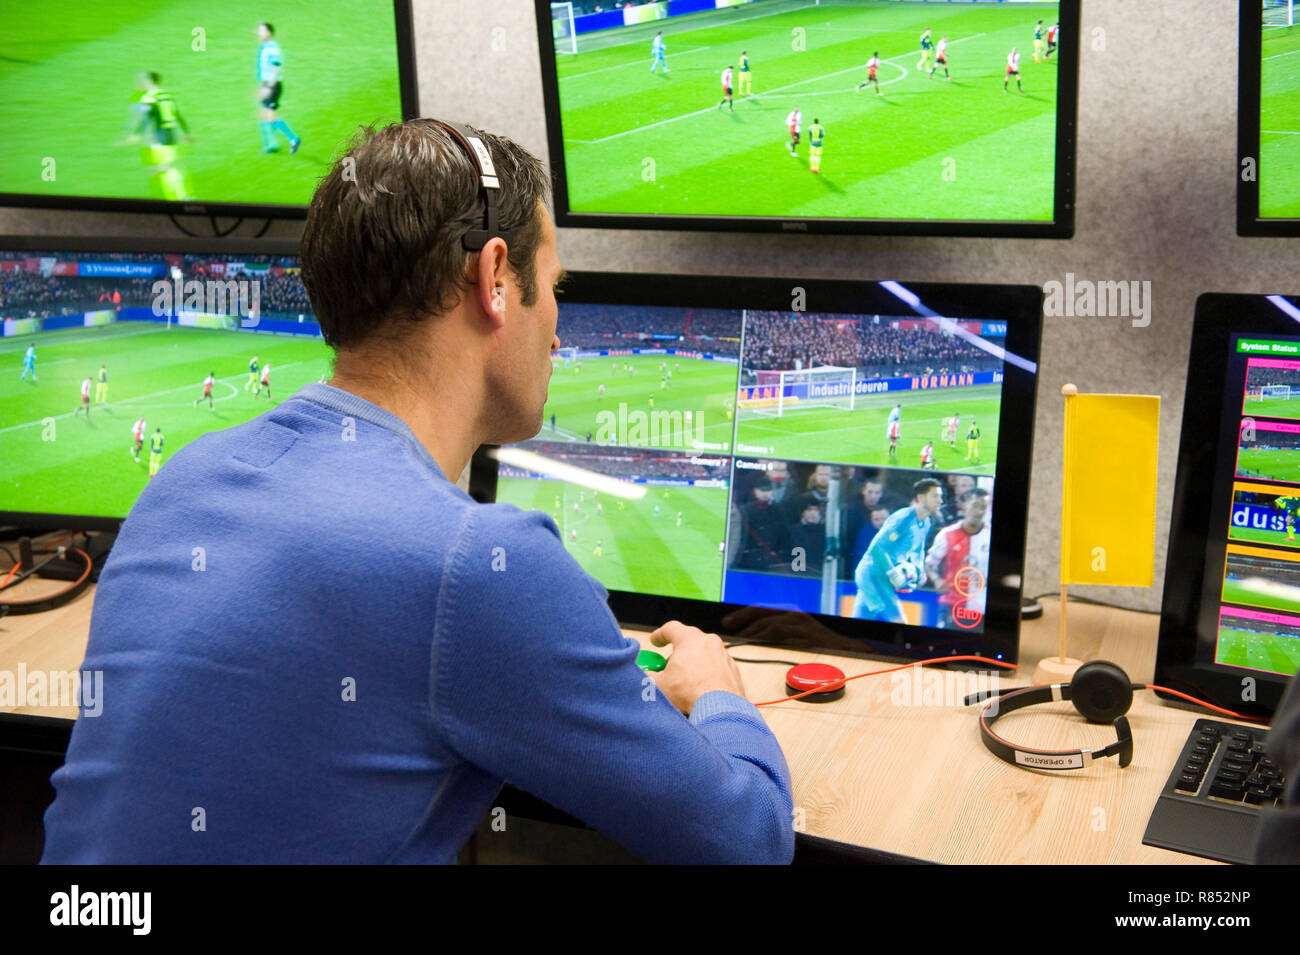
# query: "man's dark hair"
x,y
923,487
382,242
269,29
974,493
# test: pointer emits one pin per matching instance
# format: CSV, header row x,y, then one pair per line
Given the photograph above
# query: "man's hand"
x,y
699,664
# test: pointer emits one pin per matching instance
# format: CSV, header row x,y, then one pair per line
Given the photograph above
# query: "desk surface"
x,y
897,764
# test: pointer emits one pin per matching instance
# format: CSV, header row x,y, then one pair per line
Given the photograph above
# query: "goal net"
x,y
1279,13
562,28
564,355
1275,391
830,386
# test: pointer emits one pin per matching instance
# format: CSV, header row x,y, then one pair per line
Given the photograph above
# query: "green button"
x,y
649,660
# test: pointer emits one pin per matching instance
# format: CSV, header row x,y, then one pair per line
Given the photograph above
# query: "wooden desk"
x,y
884,769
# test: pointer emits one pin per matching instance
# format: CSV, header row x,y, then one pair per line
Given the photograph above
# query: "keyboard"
x,y
1211,801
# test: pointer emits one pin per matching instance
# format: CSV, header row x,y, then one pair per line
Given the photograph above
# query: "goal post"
x,y
563,29
1279,13
565,355
828,386
1275,391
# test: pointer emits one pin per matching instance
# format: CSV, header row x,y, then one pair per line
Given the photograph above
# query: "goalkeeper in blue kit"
x,y
896,558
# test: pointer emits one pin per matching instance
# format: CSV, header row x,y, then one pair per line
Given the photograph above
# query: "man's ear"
x,y
491,282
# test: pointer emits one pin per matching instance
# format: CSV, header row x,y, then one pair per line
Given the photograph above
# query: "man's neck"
x,y
440,408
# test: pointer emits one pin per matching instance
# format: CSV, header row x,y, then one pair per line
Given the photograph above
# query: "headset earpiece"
x,y
1101,691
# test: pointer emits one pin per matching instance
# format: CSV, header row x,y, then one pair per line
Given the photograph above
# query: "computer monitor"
x,y
155,318
1268,175
232,108
880,116
848,459
1230,621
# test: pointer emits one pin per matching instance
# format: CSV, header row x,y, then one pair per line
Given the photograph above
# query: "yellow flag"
x,y
1108,492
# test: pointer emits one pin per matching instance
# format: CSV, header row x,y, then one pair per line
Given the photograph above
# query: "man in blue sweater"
x,y
316,648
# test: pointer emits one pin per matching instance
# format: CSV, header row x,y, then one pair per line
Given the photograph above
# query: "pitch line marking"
x,y
619,66
111,337
788,86
126,402
710,26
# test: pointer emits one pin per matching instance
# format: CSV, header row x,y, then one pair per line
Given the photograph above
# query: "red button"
x,y
814,676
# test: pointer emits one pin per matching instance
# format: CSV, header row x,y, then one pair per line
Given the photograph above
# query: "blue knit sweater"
x,y
316,648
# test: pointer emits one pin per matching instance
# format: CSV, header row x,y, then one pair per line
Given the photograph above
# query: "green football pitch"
x,y
58,462
1279,124
1277,538
69,76
1272,465
858,436
1235,591
698,386
927,148
1272,653
640,551
1273,407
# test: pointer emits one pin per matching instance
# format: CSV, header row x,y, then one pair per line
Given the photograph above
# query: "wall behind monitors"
x,y
945,141
190,106
1268,119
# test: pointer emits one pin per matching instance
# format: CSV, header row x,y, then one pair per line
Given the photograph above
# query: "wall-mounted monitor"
x,y
232,108
857,116
108,342
1268,119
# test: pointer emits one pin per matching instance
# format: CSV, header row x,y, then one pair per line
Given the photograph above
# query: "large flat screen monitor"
x,y
876,116
847,459
106,338
228,108
1268,119
1230,624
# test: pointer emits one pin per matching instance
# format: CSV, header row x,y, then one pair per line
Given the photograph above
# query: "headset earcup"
x,y
1101,691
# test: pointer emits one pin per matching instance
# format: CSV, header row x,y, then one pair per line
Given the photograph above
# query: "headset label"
x,y
1044,761
484,157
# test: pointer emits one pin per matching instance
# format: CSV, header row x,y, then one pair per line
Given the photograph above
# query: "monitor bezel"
x,y
1061,226
409,91
1217,317
32,520
1250,72
1019,305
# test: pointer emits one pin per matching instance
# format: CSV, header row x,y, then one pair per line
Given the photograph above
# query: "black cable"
x,y
5,548
1096,603
216,231
786,663
176,223
27,573
51,601
262,231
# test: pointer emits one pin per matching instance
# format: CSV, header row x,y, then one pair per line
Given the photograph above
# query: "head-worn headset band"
x,y
490,185
1047,759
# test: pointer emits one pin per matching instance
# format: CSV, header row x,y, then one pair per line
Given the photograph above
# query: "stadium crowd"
x,y
784,340
601,326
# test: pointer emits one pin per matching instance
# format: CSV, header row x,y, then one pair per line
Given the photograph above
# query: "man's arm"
x,y
533,682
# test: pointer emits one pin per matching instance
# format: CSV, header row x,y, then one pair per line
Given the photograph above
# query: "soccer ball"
x,y
904,575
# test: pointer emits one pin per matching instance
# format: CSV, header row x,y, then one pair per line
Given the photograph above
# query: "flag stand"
x,y
1060,669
